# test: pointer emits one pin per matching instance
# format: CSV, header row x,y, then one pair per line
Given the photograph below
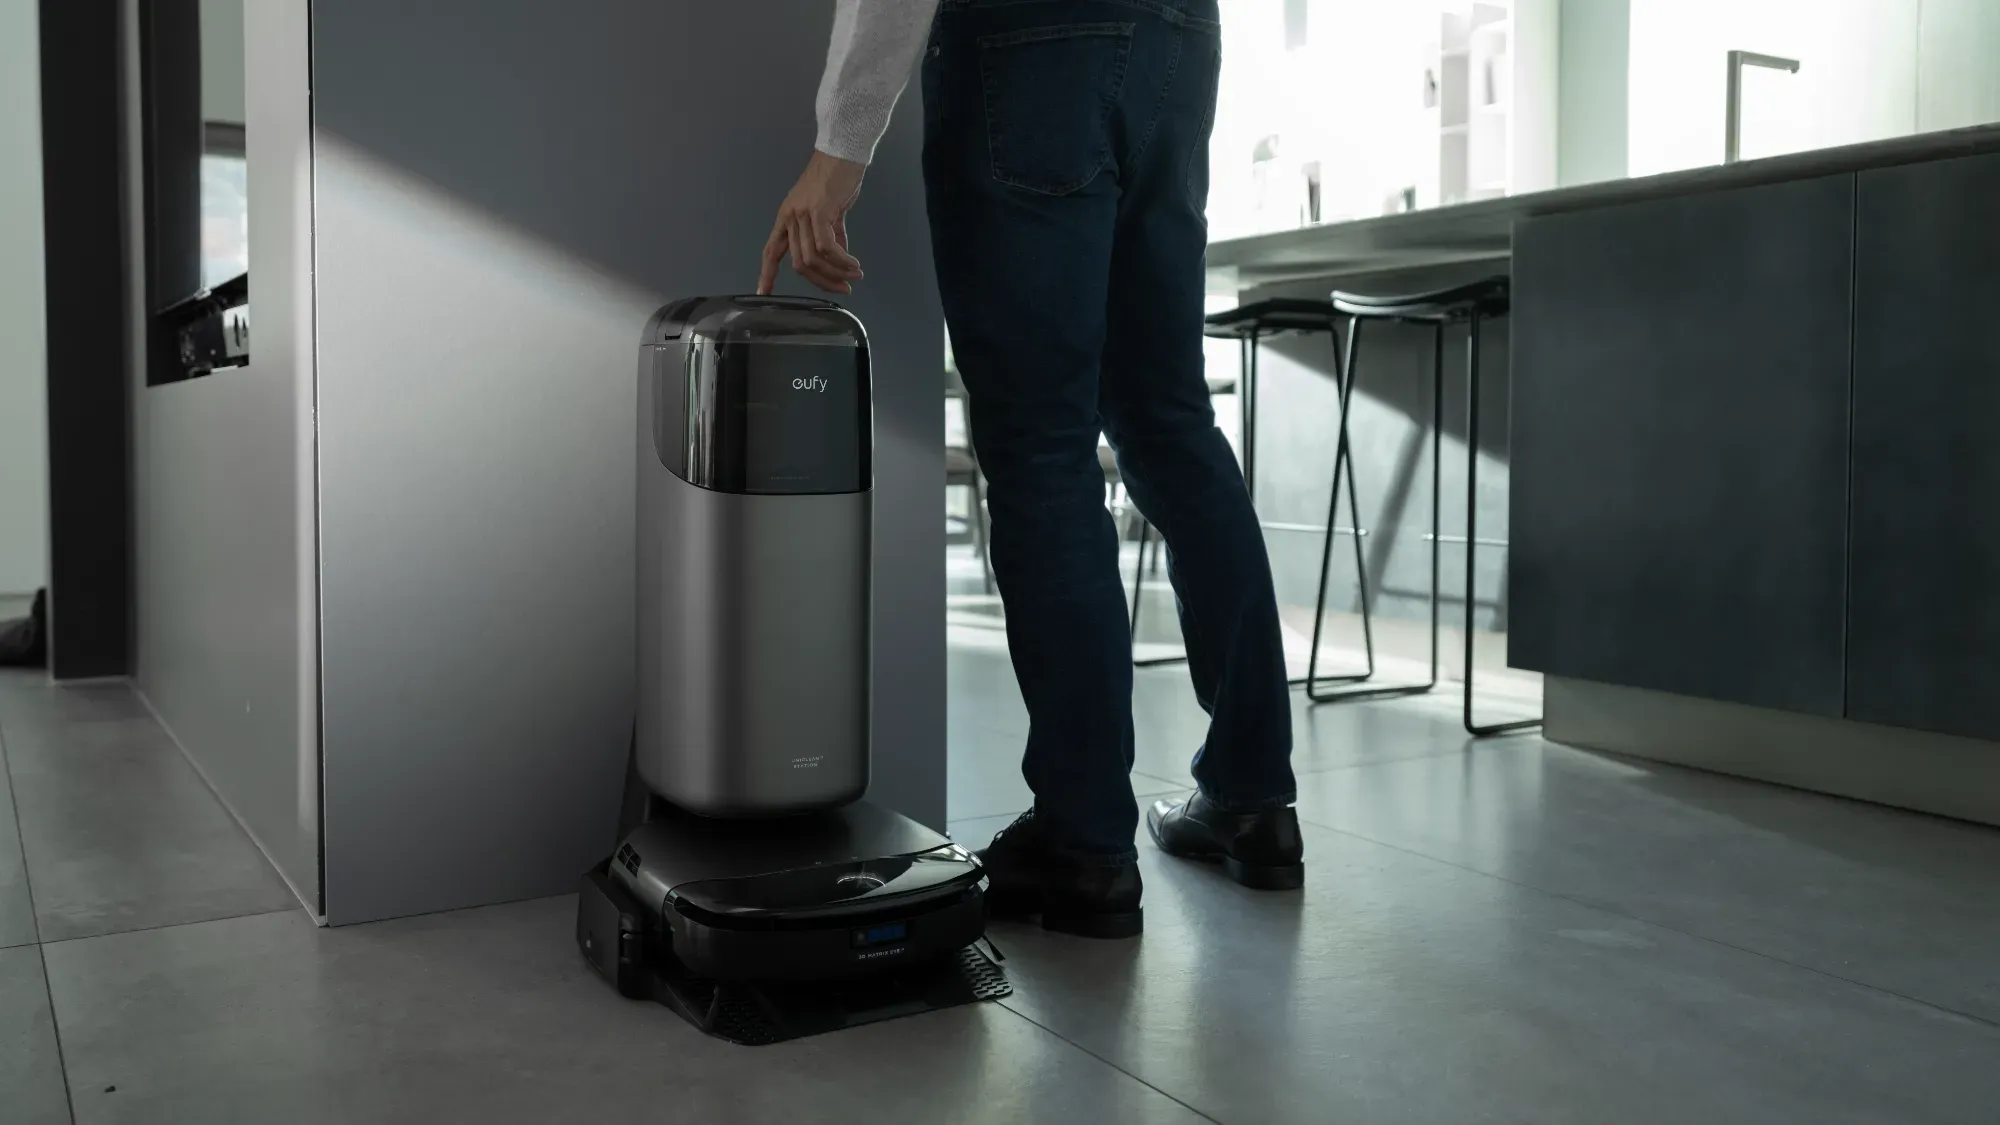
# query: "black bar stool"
x,y
961,470
1249,325
1470,304
1364,686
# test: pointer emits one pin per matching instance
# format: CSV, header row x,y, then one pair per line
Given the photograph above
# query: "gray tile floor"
x,y
1502,932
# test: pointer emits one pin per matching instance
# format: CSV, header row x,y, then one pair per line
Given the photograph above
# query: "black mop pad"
x,y
25,643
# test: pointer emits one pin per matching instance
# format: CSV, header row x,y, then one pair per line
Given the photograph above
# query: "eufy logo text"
x,y
816,384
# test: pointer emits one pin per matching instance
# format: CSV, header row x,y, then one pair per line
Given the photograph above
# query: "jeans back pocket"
x,y
1050,94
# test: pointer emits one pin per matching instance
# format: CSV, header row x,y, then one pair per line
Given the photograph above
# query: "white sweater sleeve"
x,y
875,43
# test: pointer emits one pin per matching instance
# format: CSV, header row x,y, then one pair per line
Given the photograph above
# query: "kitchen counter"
x,y
1750,411
1751,426
1484,230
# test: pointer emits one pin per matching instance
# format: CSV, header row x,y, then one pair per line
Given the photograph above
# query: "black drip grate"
x,y
987,980
758,1014
737,1017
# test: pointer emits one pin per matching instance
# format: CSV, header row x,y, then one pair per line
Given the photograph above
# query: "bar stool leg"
x,y
1472,530
979,530
1138,586
1246,405
1343,371
1345,463
1344,451
1437,504
1246,346
1360,554
1139,575
1343,459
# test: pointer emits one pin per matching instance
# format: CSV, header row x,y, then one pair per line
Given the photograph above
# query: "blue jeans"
x,y
1066,165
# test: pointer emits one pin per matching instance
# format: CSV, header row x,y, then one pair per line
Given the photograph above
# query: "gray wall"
x,y
1594,90
1957,81
505,190
24,412
224,486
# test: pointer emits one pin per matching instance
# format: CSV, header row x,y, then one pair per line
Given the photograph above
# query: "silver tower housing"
x,y
755,498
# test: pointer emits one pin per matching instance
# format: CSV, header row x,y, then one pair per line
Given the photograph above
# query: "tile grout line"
x,y
1032,1021
1619,912
1454,751
177,925
180,752
34,920
1188,786
1165,785
215,794
55,1031
20,841
1605,908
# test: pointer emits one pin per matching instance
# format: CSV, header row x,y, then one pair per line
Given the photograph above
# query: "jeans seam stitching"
x,y
1159,105
1165,11
996,167
1201,149
1109,29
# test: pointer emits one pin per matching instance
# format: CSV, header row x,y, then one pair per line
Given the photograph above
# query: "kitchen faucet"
x,y
1732,138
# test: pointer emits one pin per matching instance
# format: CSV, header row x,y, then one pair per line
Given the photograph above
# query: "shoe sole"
x,y
1256,876
1120,924
1261,878
1124,924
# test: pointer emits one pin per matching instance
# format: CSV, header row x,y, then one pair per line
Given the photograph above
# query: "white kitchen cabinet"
x,y
1335,109
1490,100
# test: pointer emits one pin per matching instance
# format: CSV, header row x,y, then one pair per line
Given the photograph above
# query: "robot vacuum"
x,y
750,865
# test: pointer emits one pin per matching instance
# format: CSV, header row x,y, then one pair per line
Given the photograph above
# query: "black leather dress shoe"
x,y
1027,875
1259,849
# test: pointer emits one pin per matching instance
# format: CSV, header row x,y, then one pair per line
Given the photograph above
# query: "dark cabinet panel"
x,y
1924,639
1679,473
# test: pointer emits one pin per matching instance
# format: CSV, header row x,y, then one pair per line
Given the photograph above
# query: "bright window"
x,y
225,219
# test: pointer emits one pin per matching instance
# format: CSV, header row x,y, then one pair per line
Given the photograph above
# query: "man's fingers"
x,y
833,256
832,251
817,272
820,278
811,265
818,251
774,256
811,227
805,256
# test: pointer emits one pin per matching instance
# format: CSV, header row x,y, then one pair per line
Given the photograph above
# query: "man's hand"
x,y
812,227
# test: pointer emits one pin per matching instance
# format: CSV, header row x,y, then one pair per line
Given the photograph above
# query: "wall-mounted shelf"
x,y
1494,62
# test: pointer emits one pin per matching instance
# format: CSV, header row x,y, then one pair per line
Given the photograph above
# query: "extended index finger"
x,y
774,255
